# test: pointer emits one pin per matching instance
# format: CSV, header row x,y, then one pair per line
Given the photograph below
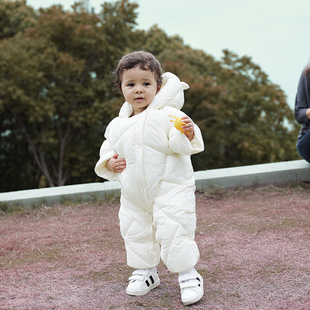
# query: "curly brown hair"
x,y
143,60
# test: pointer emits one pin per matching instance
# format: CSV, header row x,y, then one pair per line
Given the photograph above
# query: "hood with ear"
x,y
171,94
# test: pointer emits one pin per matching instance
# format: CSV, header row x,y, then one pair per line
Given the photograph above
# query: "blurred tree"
x,y
55,81
257,125
15,17
16,160
56,95
243,116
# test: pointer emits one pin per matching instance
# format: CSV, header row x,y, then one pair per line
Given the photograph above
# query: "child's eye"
x,y
147,84
130,84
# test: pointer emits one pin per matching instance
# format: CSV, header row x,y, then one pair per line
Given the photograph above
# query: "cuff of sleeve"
x,y
102,170
197,142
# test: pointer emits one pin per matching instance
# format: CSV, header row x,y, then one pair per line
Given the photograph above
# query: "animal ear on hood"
x,y
165,79
185,85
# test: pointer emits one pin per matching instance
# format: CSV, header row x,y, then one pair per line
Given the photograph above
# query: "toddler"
x,y
150,158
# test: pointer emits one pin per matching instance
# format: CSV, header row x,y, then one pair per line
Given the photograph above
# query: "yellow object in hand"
x,y
177,123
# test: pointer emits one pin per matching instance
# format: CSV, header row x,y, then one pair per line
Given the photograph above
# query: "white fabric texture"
x,y
157,213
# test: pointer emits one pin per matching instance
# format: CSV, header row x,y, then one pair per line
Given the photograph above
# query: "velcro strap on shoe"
x,y
191,283
142,273
186,277
137,278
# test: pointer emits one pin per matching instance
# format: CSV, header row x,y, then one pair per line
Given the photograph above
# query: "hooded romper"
x,y
157,213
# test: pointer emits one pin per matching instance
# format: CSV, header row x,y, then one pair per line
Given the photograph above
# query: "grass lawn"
x,y
254,245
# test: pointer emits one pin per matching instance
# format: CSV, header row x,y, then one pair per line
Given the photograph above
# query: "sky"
x,y
274,33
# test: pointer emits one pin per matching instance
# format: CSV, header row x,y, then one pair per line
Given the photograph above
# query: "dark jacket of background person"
x,y
302,102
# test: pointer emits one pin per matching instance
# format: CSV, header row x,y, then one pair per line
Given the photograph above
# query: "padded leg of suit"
x,y
142,249
175,222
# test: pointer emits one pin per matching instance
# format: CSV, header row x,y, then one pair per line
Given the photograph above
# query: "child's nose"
x,y
138,89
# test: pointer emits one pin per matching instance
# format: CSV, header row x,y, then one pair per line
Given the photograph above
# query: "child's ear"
x,y
158,88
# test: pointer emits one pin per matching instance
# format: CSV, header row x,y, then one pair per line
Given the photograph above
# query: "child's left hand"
x,y
188,127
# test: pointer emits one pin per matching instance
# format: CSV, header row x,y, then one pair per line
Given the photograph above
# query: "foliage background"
x,y
57,96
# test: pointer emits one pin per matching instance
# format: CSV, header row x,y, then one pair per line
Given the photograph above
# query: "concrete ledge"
x,y
246,176
52,195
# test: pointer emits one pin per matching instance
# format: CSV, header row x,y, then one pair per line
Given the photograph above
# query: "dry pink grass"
x,y
254,247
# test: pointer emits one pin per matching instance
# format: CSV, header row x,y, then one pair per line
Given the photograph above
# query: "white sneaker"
x,y
191,285
142,281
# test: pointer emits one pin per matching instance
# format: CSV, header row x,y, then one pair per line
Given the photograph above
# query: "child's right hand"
x,y
116,164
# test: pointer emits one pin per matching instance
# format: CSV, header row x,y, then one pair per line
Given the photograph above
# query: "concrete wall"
x,y
246,176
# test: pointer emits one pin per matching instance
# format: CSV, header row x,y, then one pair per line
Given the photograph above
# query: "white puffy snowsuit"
x,y
157,213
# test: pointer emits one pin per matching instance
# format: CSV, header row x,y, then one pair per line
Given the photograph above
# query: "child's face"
x,y
139,87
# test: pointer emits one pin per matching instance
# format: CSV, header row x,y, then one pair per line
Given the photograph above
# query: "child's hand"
x,y
188,127
116,164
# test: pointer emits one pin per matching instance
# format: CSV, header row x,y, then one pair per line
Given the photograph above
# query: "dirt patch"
x,y
254,248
